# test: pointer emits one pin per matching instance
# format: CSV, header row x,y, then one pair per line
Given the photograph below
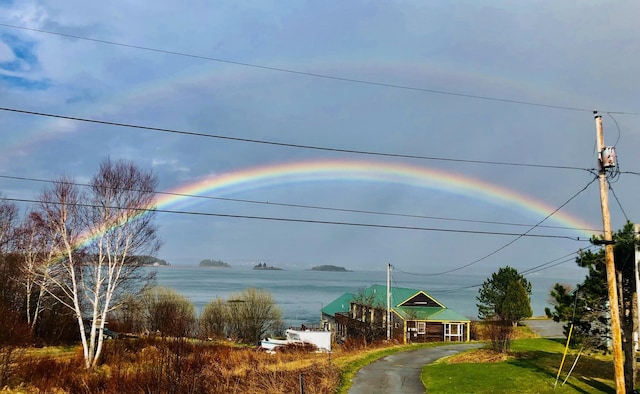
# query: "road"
x,y
400,373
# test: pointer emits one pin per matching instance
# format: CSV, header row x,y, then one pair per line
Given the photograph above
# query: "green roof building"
x,y
414,316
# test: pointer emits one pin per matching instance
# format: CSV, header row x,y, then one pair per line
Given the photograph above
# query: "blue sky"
x,y
566,58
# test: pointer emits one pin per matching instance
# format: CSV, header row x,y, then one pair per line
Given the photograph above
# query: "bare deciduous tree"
x,y
8,216
35,251
96,236
252,314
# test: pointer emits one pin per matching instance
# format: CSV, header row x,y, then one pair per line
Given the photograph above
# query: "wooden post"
x,y
614,305
301,384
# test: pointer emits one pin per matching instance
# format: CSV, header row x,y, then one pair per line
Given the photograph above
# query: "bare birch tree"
x,y
8,217
97,235
36,252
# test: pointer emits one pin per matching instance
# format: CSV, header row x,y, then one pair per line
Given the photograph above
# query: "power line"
x,y
618,201
283,144
554,262
550,264
508,243
306,206
309,221
315,75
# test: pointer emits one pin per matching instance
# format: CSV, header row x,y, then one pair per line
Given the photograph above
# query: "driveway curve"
x,y
399,373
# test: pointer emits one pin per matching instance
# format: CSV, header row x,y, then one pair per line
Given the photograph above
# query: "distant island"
x,y
264,267
214,263
330,268
150,261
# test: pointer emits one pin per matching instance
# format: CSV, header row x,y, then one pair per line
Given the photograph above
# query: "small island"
x,y
214,263
150,261
332,268
265,267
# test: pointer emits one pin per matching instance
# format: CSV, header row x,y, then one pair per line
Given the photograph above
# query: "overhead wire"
x,y
550,264
556,262
617,127
284,144
526,233
615,196
313,74
532,270
307,206
311,221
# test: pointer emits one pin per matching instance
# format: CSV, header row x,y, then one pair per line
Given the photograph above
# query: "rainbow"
x,y
368,171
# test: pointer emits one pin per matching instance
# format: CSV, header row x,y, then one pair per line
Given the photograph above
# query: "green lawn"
x,y
533,369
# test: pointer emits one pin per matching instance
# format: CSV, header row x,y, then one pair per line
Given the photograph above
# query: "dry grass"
x,y
185,366
176,366
479,356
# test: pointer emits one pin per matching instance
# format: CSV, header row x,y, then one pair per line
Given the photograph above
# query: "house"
x,y
415,316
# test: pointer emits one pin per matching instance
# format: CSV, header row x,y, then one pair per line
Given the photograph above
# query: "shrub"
x,y
213,319
168,312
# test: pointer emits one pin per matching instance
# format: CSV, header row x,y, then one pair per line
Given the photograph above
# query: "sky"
x,y
427,135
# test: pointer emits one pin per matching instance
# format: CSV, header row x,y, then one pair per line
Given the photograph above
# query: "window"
x,y
422,327
453,331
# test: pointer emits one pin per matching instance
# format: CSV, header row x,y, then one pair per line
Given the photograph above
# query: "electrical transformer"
x,y
608,157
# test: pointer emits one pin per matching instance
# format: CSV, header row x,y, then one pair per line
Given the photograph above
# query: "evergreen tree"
x,y
504,299
591,326
506,296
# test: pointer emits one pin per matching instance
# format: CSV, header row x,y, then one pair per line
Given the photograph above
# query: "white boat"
x,y
271,344
320,339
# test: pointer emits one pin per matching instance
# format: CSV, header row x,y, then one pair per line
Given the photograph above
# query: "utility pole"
x,y
635,305
636,323
614,306
388,301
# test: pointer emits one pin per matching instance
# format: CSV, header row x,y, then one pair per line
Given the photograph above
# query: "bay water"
x,y
301,294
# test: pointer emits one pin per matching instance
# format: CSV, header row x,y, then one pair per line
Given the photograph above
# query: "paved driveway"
x,y
400,373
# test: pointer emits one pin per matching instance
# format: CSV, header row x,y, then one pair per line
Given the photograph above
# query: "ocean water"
x,y
301,294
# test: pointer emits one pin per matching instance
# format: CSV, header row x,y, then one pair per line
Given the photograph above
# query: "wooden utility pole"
x,y
635,303
388,319
614,306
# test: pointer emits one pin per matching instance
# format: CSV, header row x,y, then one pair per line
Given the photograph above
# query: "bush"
x,y
253,314
213,319
168,312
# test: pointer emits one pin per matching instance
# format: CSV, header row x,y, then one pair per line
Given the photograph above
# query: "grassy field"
x,y
531,368
176,366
